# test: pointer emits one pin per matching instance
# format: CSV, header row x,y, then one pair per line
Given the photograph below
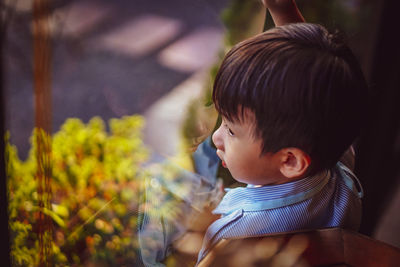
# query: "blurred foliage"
x,y
242,19
346,15
95,185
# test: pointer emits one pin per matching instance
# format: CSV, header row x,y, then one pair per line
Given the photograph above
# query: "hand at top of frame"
x,y
283,11
278,4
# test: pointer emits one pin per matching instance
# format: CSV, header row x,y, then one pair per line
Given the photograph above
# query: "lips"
x,y
220,155
223,164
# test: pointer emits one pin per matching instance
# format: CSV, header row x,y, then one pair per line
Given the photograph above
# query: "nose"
x,y
217,138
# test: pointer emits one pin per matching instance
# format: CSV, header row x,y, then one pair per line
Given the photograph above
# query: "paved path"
x,y
115,58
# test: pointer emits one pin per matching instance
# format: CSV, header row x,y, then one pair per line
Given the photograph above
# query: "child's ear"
x,y
294,162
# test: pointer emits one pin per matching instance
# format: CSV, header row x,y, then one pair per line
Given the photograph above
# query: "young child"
x,y
292,101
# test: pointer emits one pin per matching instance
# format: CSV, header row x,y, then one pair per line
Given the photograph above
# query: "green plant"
x,y
95,187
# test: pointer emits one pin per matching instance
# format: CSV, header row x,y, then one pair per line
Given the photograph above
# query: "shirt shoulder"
x,y
326,200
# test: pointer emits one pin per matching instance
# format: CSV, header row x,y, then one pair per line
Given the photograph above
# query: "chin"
x,y
244,181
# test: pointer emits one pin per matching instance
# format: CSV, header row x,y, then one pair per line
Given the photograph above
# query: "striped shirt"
x,y
329,199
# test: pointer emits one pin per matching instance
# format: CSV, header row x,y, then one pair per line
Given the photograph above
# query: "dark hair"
x,y
304,86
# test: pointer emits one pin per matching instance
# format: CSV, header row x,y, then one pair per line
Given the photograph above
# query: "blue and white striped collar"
x,y
272,196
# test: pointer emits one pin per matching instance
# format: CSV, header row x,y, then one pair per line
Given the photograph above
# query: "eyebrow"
x,y
238,130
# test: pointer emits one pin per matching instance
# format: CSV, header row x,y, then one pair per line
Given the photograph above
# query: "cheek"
x,y
243,163
237,162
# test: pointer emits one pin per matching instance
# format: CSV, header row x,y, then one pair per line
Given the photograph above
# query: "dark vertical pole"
x,y
4,231
379,150
42,88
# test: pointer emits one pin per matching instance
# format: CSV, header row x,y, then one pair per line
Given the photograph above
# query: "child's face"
x,y
240,152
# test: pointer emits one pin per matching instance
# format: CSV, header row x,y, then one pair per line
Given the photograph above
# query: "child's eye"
x,y
230,132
